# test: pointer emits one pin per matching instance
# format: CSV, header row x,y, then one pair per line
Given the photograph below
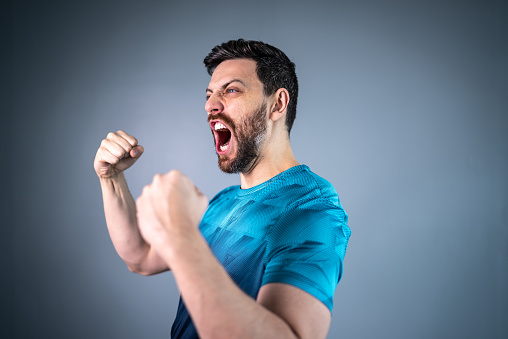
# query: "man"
x,y
263,258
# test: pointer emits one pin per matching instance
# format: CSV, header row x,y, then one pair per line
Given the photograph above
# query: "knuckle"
x,y
100,153
157,178
126,136
110,135
174,175
123,153
131,140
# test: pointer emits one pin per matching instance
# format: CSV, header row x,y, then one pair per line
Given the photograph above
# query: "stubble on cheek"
x,y
249,136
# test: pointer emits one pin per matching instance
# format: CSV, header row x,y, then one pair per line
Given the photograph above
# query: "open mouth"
x,y
222,136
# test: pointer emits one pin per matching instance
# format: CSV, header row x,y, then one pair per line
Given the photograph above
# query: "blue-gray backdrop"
x,y
403,108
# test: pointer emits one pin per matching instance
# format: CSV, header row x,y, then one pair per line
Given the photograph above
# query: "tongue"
x,y
224,137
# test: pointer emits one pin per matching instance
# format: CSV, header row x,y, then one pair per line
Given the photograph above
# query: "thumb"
x,y
136,151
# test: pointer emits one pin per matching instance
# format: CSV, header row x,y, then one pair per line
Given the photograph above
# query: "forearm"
x,y
218,307
120,213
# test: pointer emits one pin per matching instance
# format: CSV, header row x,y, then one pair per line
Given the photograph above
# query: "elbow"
x,y
139,270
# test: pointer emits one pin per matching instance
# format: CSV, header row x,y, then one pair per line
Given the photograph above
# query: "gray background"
x,y
402,108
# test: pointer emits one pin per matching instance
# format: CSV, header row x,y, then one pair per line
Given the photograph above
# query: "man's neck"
x,y
268,166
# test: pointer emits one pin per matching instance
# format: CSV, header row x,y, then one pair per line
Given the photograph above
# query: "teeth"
x,y
224,147
219,125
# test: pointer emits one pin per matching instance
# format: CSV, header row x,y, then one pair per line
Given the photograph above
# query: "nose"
x,y
214,104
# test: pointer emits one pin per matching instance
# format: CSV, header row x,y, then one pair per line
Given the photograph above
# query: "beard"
x,y
249,135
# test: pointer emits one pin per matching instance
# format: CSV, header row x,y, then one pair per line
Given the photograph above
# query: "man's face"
x,y
237,114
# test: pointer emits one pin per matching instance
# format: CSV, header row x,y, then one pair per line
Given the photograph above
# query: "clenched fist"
x,y
116,153
170,208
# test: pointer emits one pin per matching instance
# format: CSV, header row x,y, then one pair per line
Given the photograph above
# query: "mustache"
x,y
224,118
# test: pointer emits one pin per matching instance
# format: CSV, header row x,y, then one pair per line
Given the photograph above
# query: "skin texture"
x,y
160,230
117,153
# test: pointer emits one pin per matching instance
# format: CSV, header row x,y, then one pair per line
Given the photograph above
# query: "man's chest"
x,y
236,232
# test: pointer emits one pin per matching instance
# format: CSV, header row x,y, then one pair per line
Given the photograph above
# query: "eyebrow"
x,y
228,83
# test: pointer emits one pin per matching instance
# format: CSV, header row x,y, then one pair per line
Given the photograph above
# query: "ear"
x,y
280,104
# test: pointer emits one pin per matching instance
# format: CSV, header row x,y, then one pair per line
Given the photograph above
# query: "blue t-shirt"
x,y
290,229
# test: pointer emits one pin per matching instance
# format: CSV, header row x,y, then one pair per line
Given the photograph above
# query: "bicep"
x,y
307,316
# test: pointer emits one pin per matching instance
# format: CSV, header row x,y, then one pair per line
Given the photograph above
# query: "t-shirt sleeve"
x,y
306,249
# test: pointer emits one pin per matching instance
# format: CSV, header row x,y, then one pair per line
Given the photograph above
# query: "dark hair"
x,y
273,67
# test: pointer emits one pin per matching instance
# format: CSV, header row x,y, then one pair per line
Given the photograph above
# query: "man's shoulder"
x,y
305,186
312,200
